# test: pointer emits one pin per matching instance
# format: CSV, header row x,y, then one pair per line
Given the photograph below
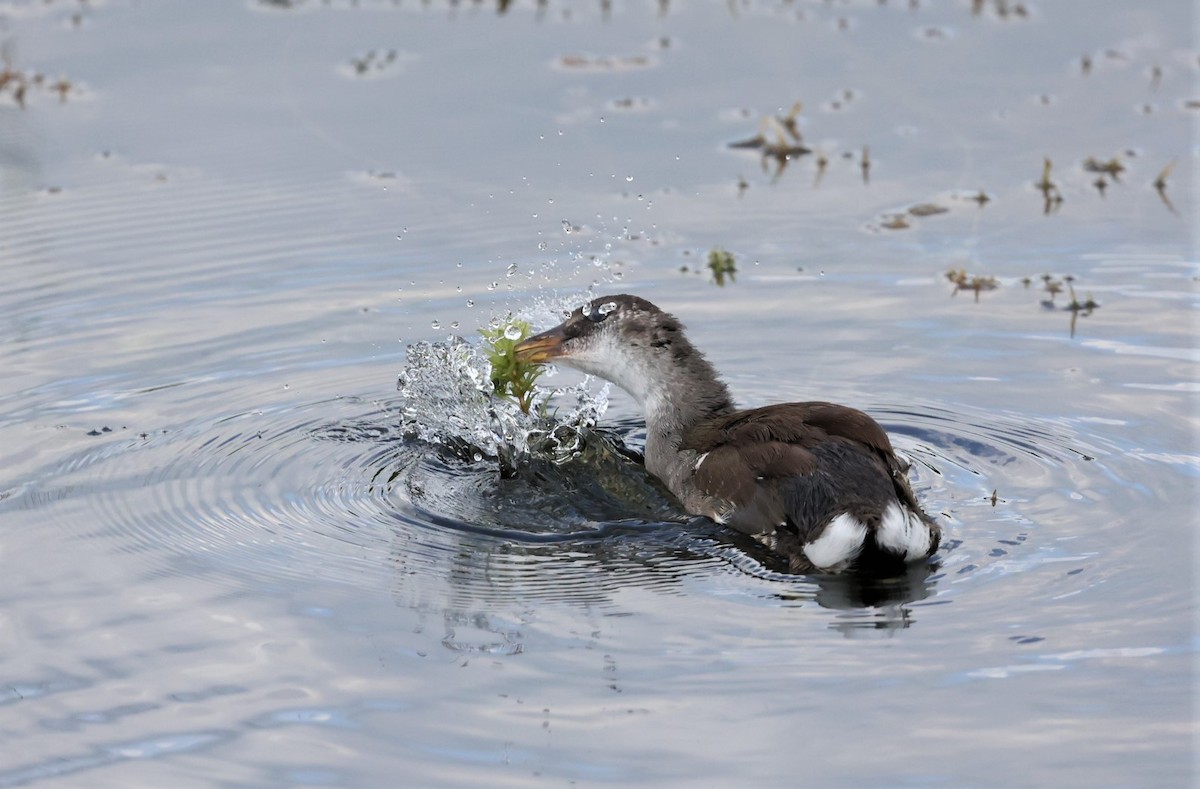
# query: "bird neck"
x,y
679,395
681,398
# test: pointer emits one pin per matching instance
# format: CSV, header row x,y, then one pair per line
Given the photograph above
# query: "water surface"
x,y
228,559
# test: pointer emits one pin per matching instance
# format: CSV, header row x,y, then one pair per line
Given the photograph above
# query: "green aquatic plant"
x,y
510,376
722,264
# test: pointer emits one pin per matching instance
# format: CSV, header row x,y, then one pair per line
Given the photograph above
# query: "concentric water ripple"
x,y
335,491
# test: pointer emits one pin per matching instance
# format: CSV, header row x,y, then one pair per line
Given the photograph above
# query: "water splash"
x,y
449,401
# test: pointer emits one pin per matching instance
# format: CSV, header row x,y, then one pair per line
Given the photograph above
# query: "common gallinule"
x,y
817,483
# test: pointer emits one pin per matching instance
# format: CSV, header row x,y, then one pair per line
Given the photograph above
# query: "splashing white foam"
x,y
448,400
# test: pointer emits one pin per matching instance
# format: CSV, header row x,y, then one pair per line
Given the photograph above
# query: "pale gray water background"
x,y
223,564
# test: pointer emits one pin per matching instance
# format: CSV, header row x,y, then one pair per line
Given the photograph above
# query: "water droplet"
x,y
512,267
543,246
454,325
435,325
606,307
535,216
470,302
512,333
641,197
493,285
629,178
478,457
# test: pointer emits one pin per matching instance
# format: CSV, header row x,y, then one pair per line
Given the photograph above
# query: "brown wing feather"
x,y
733,471
774,441
791,423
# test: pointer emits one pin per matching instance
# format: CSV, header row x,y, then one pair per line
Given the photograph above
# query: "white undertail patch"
x,y
699,460
902,532
840,542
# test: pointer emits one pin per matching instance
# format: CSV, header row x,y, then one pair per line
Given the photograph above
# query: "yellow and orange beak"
x,y
541,347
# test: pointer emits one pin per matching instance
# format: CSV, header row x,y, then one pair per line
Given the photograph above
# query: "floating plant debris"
x,y
1160,186
1050,192
778,140
1076,307
822,163
1054,286
788,122
903,219
774,130
722,264
605,63
964,281
632,104
1002,9
374,63
1112,168
18,83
